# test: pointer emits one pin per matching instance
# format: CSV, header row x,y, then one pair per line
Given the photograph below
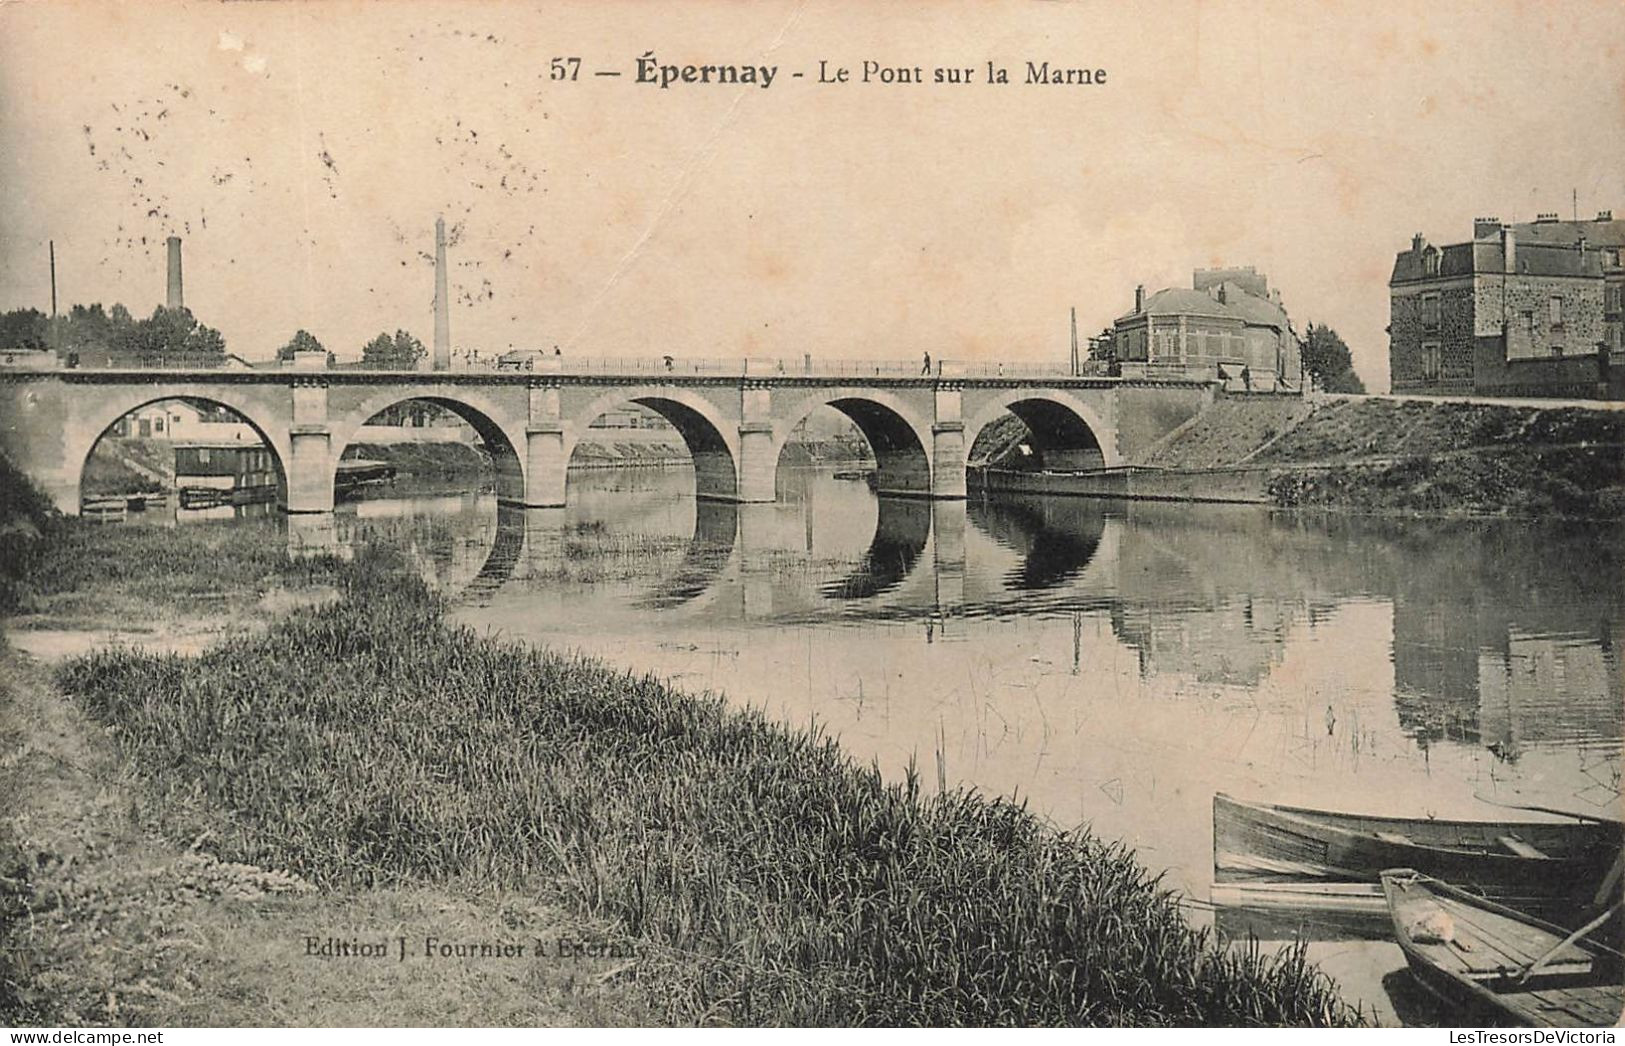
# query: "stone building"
x,y
1520,310
1229,326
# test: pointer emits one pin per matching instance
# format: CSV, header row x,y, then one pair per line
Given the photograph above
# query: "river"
x,y
1111,663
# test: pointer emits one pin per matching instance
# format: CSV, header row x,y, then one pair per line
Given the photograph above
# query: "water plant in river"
x,y
367,742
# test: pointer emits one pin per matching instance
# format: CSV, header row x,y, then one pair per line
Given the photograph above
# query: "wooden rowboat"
x,y
1549,867
1501,964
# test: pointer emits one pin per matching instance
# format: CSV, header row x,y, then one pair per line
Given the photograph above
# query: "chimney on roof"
x,y
1139,298
1509,249
1418,242
177,299
1224,293
1543,219
1605,216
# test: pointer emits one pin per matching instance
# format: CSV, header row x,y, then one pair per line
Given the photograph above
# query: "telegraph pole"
x,y
53,279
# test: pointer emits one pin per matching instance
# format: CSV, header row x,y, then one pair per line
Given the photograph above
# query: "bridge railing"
x,y
713,366
1015,369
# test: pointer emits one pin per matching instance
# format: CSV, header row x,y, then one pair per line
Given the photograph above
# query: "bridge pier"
x,y
310,442
948,449
758,455
545,461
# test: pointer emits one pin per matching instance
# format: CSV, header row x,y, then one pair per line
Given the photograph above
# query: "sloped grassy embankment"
x,y
370,743
1379,455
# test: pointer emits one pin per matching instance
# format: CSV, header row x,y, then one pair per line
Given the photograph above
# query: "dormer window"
x,y
1430,262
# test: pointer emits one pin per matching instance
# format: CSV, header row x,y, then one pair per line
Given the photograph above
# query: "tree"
x,y
302,341
23,329
1326,358
401,352
1103,351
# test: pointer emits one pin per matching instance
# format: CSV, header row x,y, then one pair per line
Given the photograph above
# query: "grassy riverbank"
x,y
1453,459
761,876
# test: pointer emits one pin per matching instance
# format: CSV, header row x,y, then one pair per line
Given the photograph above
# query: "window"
x,y
1613,297
1430,312
1554,307
203,455
157,424
1557,352
1430,362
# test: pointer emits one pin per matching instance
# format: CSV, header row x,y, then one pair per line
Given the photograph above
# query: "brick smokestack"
x,y
177,299
1139,298
442,308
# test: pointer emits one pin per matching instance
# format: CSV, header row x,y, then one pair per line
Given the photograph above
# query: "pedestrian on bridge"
x,y
926,369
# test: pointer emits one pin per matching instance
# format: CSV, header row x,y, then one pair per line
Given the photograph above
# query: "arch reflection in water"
x,y
507,548
716,523
449,539
1057,536
902,526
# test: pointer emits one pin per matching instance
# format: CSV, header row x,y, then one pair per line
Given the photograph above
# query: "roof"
x,y
1178,301
1465,259
1597,232
1256,311
1241,307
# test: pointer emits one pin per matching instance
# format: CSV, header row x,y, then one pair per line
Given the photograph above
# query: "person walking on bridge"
x,y
926,369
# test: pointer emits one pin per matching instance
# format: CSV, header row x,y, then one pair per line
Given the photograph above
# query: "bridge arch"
x,y
711,438
1067,433
502,438
898,434
108,409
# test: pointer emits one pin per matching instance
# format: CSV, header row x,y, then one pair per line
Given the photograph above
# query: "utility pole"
x,y
53,279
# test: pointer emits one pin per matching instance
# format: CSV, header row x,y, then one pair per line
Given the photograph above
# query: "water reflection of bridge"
x,y
1497,637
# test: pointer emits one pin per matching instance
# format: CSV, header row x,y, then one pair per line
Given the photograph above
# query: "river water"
x,y
1112,663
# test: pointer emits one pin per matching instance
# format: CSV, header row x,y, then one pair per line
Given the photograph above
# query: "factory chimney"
x,y
177,300
442,308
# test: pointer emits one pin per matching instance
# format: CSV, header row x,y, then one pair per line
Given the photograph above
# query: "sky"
x,y
302,151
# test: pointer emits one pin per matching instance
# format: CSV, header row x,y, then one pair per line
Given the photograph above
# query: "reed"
x,y
770,879
77,569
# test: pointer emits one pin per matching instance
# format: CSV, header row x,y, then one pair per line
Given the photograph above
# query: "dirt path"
x,y
104,922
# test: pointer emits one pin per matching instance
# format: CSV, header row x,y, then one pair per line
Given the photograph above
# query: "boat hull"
x,y
1549,867
1473,953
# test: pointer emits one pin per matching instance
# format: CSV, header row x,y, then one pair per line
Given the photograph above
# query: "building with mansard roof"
x,y
1529,309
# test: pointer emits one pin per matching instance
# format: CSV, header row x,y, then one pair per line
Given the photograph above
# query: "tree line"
x,y
92,330
86,329
399,352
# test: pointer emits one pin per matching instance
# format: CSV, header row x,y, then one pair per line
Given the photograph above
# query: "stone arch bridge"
x,y
920,427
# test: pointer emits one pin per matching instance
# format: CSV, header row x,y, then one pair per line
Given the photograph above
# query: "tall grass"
x,y
82,565
26,515
369,742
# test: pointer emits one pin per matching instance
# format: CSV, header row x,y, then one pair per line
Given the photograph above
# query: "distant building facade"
x,y
181,420
1229,326
1531,309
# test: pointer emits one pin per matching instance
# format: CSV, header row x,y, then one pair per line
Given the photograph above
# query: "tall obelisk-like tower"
x,y
177,296
442,306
